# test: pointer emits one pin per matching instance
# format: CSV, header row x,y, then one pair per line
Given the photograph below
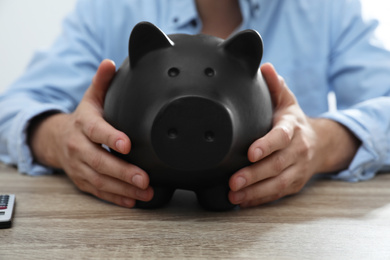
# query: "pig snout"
x,y
192,133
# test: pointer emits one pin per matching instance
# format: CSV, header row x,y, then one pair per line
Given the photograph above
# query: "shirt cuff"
x,y
371,155
18,148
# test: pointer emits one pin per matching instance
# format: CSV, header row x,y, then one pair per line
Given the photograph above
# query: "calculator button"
x,y
4,201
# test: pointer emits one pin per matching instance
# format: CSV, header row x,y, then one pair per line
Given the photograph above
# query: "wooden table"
x,y
327,220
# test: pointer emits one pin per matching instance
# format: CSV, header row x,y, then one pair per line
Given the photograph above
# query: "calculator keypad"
x,y
7,202
4,201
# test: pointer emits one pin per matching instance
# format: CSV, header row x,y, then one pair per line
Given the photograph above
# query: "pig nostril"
x,y
209,136
172,133
209,72
173,72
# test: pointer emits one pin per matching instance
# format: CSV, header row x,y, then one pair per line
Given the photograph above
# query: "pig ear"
x,y
247,47
144,38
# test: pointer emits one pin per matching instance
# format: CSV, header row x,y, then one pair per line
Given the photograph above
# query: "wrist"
x,y
40,138
336,145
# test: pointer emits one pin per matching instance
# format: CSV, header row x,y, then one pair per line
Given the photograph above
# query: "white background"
x,y
27,25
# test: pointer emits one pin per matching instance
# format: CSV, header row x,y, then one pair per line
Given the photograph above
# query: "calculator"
x,y
7,202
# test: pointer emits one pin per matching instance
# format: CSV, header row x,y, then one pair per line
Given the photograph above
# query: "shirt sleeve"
x,y
359,74
55,80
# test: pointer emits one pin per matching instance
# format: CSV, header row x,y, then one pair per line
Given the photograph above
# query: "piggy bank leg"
x,y
160,198
215,198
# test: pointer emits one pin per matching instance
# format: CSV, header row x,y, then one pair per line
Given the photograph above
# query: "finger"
x,y
257,202
110,197
116,199
81,174
97,129
105,163
278,138
271,77
101,81
270,166
280,93
100,132
108,188
268,190
106,184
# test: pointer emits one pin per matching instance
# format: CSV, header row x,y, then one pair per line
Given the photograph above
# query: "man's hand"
x,y
294,150
73,142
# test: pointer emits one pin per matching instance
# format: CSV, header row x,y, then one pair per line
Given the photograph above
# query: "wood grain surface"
x,y
327,220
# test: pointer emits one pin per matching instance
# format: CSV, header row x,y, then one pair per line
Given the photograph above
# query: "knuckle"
x,y
282,184
285,134
91,128
279,163
304,147
98,182
97,162
78,120
125,176
267,146
72,145
305,150
99,131
281,80
128,192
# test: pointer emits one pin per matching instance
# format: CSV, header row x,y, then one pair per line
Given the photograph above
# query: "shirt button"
x,y
175,19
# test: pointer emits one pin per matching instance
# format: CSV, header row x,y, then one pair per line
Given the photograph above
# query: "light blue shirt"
x,y
317,46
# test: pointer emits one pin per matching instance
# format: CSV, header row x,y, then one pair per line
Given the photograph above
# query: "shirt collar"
x,y
184,11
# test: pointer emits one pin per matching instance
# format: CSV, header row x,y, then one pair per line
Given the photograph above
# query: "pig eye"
x,y
173,72
209,72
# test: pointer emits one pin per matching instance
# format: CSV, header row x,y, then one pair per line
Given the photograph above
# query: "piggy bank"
x,y
191,106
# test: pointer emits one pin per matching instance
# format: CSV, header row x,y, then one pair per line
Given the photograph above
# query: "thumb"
x,y
101,81
281,95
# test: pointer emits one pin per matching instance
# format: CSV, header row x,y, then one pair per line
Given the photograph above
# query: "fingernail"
x,y
238,197
240,183
138,181
120,145
257,153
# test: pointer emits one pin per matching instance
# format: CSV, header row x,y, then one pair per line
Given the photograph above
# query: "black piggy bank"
x,y
191,106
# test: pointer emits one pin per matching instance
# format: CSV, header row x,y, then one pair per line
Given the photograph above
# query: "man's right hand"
x,y
73,142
